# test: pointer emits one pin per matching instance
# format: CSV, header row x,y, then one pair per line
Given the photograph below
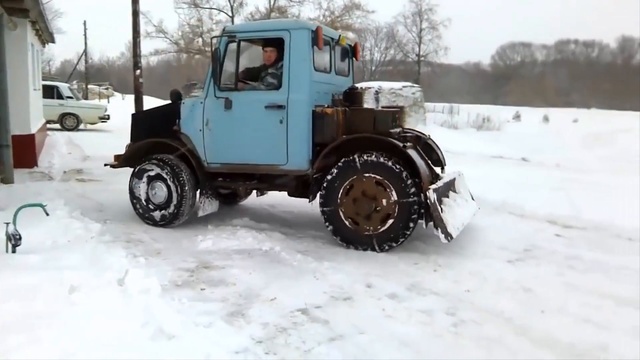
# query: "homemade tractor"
x,y
310,136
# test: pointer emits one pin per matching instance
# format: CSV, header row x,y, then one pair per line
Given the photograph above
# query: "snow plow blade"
x,y
450,206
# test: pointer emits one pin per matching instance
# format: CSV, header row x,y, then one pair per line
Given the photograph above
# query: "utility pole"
x,y
6,151
86,63
137,61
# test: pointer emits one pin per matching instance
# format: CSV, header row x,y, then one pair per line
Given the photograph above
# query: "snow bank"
x,y
126,102
603,144
390,93
456,116
69,293
551,195
121,106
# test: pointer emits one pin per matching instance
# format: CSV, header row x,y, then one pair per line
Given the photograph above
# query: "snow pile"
x,y
125,102
70,293
95,91
455,116
61,149
386,93
121,106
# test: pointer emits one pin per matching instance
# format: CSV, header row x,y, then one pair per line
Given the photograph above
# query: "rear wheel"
x,y
162,191
370,203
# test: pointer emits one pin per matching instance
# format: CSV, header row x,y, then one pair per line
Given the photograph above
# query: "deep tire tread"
x,y
184,181
406,188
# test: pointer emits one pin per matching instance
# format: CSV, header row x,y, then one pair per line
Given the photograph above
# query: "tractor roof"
x,y
279,24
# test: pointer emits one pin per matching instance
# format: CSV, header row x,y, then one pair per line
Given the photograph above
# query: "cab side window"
x,y
342,55
244,64
322,58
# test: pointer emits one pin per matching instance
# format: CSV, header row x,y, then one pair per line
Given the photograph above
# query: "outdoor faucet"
x,y
12,235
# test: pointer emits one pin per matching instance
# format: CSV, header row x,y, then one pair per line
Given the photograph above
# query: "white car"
x,y
62,105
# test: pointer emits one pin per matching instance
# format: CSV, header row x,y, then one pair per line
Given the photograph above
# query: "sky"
x,y
477,27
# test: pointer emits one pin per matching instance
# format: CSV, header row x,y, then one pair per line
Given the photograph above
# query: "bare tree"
x,y
198,20
419,34
377,47
556,74
277,9
54,14
47,61
627,49
342,15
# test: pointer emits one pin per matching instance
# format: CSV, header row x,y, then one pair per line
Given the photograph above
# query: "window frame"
x,y
56,92
328,42
337,47
238,43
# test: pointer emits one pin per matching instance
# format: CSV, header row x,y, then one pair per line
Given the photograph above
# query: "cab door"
x,y
247,127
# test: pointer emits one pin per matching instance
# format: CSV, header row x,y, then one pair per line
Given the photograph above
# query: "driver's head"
x,y
271,51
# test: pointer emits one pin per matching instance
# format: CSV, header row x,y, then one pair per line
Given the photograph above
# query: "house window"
x,y
322,58
343,60
38,73
34,78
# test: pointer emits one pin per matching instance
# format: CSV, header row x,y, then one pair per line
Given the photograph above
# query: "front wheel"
x,y
162,191
369,202
70,122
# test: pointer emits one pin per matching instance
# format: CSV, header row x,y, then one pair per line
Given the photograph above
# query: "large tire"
x,y
69,122
162,191
356,180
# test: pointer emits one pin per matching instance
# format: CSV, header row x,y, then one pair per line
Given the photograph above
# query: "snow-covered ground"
x,y
549,267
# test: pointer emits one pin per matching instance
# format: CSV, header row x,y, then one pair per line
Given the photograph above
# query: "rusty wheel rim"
x,y
368,203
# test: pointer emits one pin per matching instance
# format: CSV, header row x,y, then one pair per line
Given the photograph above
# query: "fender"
x,y
428,146
411,156
136,152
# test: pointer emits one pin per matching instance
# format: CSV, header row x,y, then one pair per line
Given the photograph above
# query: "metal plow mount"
x,y
451,206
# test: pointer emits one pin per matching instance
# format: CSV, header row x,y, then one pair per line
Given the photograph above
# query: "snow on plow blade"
x,y
451,205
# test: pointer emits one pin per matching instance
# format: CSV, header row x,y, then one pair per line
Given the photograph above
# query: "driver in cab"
x,y
267,76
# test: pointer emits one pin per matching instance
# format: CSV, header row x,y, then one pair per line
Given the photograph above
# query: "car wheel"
x,y
69,122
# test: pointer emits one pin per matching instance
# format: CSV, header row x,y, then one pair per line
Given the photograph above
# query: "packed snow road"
x,y
549,268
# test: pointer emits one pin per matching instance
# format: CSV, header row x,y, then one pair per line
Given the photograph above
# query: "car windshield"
x,y
75,93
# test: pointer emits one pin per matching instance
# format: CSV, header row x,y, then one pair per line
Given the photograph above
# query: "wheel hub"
x,y
158,192
69,121
368,203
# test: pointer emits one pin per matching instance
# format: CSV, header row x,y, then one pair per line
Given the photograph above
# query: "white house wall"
x,y
35,80
24,77
18,77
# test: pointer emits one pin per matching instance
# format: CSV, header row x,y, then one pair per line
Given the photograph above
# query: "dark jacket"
x,y
266,78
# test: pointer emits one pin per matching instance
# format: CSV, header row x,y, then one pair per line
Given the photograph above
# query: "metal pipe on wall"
x,y
6,151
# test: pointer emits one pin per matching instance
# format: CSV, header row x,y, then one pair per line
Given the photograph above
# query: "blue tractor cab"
x,y
279,112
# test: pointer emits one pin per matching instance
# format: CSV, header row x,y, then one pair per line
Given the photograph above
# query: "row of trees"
x,y
409,47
